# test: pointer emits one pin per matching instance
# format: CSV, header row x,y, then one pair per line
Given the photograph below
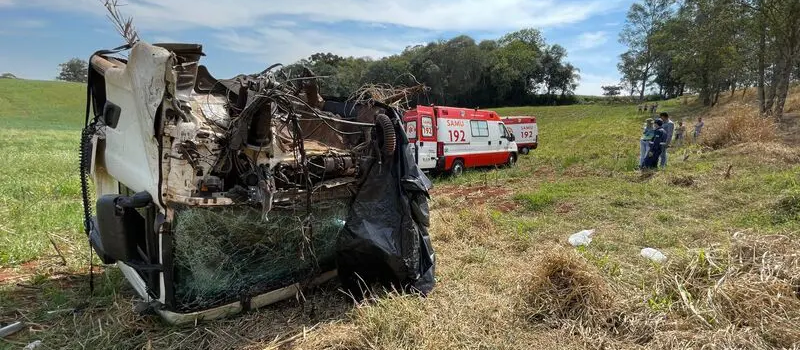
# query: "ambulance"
x,y
450,139
525,131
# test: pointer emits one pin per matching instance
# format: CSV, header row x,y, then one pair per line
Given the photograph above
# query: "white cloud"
x,y
590,83
23,23
456,15
589,40
6,3
287,46
164,39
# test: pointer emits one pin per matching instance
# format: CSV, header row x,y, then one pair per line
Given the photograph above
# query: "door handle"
x,y
490,142
421,143
501,142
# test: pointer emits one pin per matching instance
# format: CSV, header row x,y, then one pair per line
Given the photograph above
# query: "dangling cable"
x,y
89,129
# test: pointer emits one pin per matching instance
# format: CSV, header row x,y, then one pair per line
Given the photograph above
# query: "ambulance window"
x,y
427,126
480,128
411,129
503,131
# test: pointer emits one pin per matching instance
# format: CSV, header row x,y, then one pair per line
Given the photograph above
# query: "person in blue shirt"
x,y
657,146
648,131
669,128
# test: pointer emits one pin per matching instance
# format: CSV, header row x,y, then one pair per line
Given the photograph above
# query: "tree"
x,y
611,90
517,69
642,22
74,70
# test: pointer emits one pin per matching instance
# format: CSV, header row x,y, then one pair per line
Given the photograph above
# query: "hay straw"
x,y
368,94
564,287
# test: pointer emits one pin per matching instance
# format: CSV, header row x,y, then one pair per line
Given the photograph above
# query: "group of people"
x,y
648,108
657,137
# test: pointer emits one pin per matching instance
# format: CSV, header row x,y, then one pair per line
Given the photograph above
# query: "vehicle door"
x,y
505,143
481,144
426,143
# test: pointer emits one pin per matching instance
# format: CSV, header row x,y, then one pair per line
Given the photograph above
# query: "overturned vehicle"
x,y
219,196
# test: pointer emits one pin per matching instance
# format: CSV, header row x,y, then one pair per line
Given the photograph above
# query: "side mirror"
x,y
511,137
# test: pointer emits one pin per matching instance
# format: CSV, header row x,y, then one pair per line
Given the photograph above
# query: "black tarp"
x,y
385,239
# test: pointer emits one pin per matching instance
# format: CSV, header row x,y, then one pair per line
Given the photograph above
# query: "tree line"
x,y
519,68
710,47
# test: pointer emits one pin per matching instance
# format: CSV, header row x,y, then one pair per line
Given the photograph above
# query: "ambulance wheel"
x,y
457,169
524,150
512,159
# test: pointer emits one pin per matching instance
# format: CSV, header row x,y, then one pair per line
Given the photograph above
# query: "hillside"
x,y
726,213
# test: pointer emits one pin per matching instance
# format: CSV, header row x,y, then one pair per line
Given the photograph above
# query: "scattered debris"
x,y
33,345
60,311
654,255
11,329
582,238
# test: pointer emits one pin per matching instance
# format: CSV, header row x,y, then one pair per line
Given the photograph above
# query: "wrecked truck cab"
x,y
219,196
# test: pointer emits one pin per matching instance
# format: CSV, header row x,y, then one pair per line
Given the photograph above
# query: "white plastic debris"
x,y
582,238
33,345
654,255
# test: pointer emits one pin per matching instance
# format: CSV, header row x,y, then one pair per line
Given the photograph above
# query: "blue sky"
x,y
245,36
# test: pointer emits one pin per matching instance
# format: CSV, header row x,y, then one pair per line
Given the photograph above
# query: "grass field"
x,y
495,232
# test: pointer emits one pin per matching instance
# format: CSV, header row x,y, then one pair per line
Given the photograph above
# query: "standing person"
x,y
669,128
653,108
680,133
657,146
648,132
698,128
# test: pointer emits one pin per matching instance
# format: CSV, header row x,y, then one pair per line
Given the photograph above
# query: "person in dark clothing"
x,y
657,146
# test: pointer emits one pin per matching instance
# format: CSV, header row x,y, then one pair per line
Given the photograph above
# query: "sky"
x,y
246,36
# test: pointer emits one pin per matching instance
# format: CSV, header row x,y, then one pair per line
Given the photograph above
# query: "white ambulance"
x,y
450,139
525,131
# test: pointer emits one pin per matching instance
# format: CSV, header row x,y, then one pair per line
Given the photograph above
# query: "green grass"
x,y
582,176
40,126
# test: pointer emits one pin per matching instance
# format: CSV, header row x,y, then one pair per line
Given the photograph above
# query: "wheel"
x,y
457,169
512,159
524,150
387,141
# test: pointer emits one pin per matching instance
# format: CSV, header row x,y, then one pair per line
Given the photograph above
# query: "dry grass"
x,y
771,152
564,286
738,124
751,289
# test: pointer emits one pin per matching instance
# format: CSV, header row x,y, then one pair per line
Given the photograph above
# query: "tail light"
x,y
440,149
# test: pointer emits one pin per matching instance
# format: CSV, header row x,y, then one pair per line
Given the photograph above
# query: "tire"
x,y
512,159
457,169
387,139
524,150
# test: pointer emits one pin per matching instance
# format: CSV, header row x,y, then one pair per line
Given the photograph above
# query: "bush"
x,y
739,125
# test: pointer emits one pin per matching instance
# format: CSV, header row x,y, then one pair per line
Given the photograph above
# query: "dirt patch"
x,y
507,206
683,181
21,272
564,208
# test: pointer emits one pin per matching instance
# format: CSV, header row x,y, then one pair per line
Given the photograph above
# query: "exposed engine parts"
x,y
217,196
